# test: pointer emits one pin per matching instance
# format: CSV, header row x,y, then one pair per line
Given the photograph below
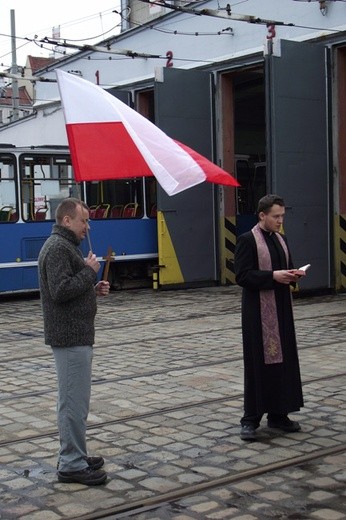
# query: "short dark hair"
x,y
266,202
68,207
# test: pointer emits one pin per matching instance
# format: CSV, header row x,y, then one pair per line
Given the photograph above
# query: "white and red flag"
x,y
109,140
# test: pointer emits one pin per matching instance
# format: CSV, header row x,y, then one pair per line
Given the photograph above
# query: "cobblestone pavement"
x,y
165,411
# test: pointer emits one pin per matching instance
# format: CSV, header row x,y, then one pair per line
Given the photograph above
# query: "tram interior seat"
x,y
99,211
130,210
153,211
41,213
102,211
6,213
117,211
92,211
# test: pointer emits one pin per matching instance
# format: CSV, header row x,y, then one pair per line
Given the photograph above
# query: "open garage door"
x,y
297,153
186,222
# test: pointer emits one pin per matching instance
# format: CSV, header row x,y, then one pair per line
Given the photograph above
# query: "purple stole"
x,y
270,326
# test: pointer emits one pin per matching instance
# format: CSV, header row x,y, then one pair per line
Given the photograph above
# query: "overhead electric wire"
x,y
60,43
183,33
196,33
234,17
97,48
86,18
164,57
241,2
17,48
64,24
93,37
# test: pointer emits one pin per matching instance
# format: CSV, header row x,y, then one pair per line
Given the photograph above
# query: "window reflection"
x,y
46,180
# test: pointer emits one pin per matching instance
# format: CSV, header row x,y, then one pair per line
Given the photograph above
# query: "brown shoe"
x,y
87,476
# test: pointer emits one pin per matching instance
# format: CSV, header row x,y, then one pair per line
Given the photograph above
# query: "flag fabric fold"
x,y
109,140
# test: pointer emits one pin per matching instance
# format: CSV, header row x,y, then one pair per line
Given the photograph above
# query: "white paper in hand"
x,y
305,267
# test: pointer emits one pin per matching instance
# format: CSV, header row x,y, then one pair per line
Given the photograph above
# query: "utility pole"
x,y
14,69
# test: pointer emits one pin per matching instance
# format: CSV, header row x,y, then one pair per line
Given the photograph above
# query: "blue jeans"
x,y
73,368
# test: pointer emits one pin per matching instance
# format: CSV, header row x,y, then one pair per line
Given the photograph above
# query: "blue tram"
x,y
32,183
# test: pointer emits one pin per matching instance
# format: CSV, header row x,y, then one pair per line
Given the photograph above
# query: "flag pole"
x,y
89,241
79,191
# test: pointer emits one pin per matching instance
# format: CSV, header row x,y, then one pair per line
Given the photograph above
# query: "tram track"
x,y
99,346
150,339
171,438
125,323
153,503
162,411
123,378
141,374
161,309
29,333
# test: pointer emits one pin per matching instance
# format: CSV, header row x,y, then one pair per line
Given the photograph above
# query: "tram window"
x,y
150,196
46,179
8,190
108,199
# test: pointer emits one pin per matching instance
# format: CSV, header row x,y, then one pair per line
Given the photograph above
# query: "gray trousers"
x,y
73,368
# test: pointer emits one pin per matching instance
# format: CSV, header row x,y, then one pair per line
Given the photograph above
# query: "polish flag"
x,y
109,140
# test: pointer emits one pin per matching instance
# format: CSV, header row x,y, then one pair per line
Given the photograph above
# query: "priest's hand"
x,y
285,276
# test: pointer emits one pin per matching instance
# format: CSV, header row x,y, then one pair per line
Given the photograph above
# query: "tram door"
x,y
297,153
186,221
251,174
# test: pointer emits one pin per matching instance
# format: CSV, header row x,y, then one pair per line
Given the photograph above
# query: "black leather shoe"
x,y
248,432
95,462
87,476
285,425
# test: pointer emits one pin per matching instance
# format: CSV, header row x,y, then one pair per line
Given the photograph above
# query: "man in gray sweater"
x,y
68,295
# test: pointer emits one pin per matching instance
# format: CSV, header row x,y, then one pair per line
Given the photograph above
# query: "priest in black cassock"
x,y
264,270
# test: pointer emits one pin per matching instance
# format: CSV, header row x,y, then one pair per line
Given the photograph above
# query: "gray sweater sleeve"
x,y
67,274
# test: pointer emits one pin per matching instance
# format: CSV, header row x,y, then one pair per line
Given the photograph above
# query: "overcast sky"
x,y
77,21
